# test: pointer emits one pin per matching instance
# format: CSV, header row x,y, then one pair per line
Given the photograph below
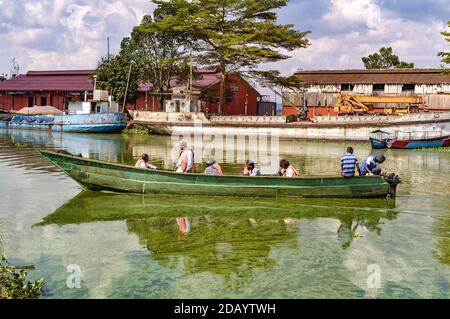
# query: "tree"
x,y
14,284
156,57
385,59
232,35
446,55
112,73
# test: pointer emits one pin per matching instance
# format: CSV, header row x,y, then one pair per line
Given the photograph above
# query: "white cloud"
x,y
68,34
64,34
413,41
344,13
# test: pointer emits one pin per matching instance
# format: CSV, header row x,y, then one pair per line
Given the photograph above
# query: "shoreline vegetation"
x,y
14,284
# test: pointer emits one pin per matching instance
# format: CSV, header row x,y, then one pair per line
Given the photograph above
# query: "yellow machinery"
x,y
360,104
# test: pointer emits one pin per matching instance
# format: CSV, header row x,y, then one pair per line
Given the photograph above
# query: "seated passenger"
x,y
287,170
143,163
370,165
212,168
349,164
250,170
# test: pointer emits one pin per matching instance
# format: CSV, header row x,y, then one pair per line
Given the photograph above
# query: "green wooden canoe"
x,y
100,175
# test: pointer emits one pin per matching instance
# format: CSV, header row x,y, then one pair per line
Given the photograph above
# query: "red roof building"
x,y
58,88
244,102
55,88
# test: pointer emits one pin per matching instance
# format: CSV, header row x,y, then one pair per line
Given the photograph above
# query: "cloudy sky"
x,y
71,34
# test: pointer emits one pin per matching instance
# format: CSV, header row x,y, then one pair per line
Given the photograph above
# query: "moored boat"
x,y
409,140
76,123
378,139
81,117
101,175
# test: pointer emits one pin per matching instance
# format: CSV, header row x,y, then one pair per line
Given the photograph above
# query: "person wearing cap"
x,y
212,168
185,163
250,170
143,163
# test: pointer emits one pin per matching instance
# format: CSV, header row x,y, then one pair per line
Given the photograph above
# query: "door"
x,y
30,101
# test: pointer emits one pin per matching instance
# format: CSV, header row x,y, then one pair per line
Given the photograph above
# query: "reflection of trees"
x,y
220,245
347,231
442,251
228,236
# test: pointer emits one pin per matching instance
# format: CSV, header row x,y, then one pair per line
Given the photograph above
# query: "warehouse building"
x,y
41,88
58,88
245,99
321,88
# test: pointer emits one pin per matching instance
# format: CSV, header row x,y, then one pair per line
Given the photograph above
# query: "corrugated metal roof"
x,y
376,76
63,80
206,78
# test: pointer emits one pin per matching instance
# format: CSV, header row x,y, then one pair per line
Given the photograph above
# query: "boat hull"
x,y
414,144
85,123
98,175
378,143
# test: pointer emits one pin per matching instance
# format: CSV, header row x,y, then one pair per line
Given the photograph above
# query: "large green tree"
x,y
446,55
385,59
155,57
233,35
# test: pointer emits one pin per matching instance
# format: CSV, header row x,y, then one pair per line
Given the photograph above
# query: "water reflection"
x,y
226,236
164,246
442,251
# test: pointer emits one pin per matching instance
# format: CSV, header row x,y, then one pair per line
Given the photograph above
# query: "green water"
x,y
135,246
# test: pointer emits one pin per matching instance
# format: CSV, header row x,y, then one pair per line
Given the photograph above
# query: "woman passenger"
x,y
143,163
287,170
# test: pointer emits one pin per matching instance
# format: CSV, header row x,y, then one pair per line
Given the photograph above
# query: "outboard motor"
x,y
393,181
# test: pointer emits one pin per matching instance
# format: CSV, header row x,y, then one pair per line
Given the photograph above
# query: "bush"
x,y
13,284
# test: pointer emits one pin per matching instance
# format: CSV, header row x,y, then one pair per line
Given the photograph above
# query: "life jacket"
x,y
183,159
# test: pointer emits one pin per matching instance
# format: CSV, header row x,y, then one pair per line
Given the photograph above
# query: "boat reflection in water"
x,y
224,236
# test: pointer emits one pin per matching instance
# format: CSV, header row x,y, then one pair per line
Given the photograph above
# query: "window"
x,y
43,100
378,87
234,88
347,87
30,101
408,87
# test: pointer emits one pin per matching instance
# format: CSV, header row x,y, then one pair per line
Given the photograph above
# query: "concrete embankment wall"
x,y
412,117
344,133
164,117
325,128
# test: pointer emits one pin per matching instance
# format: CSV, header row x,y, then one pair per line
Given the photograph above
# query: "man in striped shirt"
x,y
348,163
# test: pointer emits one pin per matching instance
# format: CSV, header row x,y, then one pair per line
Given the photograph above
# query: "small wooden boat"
x,y
100,175
379,138
409,140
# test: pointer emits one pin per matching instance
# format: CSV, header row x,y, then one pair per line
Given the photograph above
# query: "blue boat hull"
x,y
378,144
84,123
424,143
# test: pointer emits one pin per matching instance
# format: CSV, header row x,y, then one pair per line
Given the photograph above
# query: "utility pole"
x,y
124,109
108,48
